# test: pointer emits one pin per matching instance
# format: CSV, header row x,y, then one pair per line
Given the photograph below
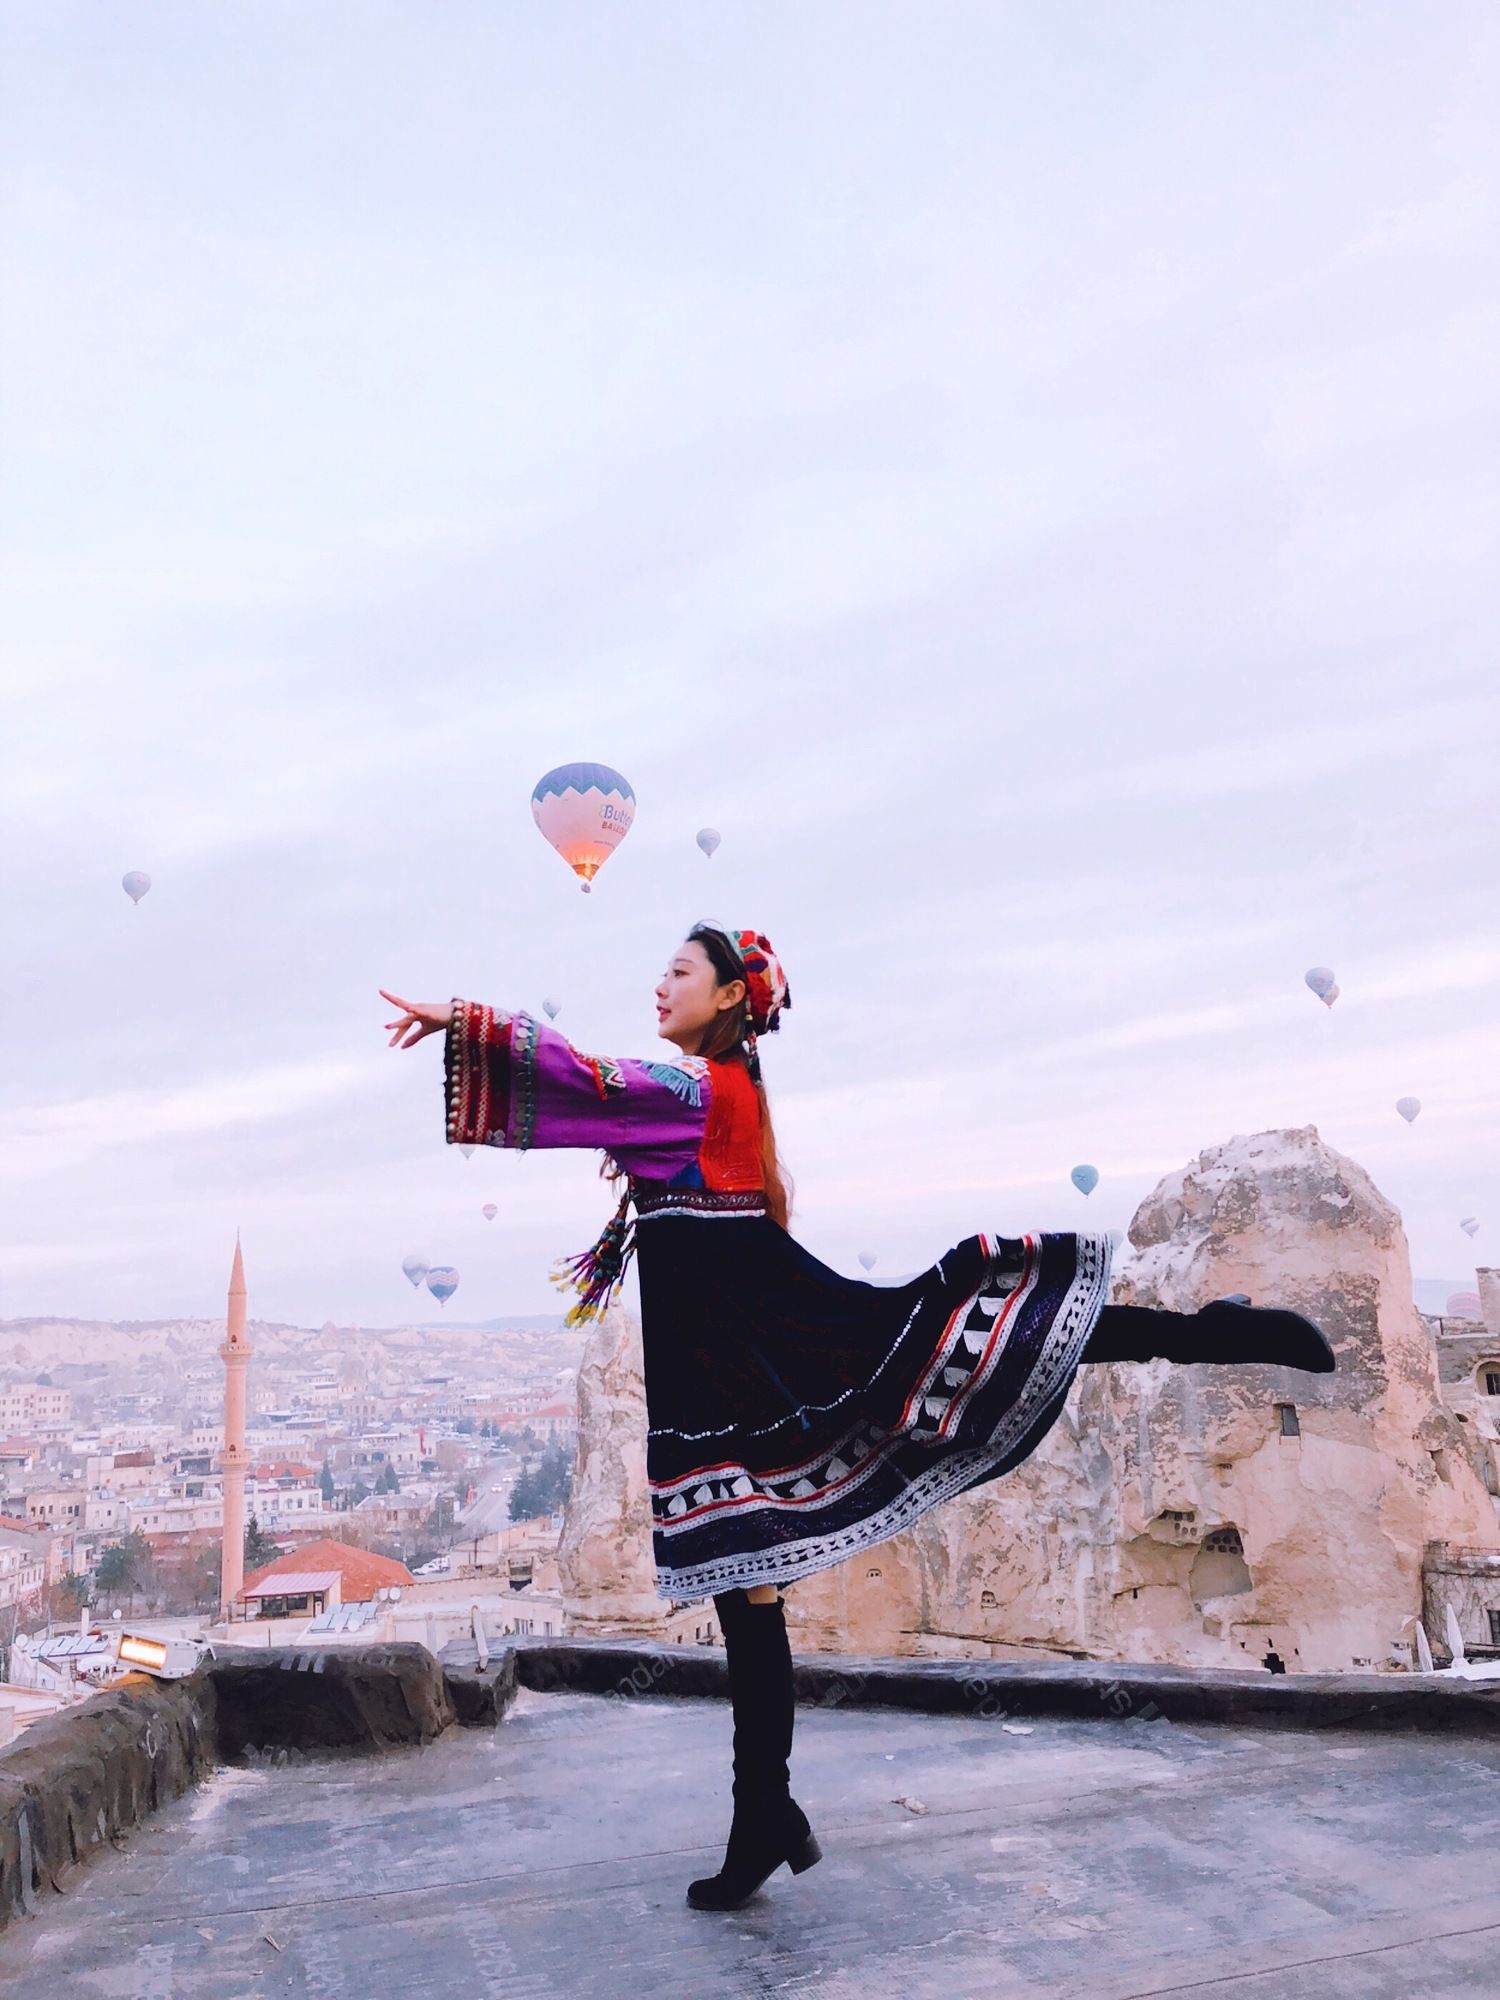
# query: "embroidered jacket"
x,y
513,1081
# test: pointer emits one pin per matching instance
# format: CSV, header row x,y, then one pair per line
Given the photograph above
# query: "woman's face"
x,y
689,997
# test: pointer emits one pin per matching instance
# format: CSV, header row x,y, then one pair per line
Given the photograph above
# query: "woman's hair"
x,y
723,1041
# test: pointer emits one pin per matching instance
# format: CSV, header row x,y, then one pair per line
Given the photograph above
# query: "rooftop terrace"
x,y
1041,1853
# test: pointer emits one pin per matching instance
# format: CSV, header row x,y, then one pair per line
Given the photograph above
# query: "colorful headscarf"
x,y
768,990
767,994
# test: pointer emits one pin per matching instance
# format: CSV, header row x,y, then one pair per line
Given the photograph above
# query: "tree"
x,y
122,1565
259,1548
325,1484
524,1495
465,1427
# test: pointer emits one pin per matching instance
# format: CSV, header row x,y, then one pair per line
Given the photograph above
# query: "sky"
x,y
1027,475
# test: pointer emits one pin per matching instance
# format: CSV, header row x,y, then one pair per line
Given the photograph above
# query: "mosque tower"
x,y
234,1459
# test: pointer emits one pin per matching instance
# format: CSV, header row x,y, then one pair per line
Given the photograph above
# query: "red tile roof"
x,y
362,1573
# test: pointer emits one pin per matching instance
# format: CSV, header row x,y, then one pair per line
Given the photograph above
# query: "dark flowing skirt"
x,y
797,1417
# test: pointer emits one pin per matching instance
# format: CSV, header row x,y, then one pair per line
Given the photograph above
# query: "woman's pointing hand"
x,y
426,1016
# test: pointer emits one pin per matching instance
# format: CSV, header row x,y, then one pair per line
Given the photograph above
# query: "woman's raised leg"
x,y
1225,1330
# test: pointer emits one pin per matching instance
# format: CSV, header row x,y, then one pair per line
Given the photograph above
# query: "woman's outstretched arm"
x,y
511,1080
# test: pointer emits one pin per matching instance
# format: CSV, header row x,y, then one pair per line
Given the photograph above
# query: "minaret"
x,y
234,1460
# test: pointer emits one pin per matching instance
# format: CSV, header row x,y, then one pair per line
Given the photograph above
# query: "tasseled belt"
x,y
598,1272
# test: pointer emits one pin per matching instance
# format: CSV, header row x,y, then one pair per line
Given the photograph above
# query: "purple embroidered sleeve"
x,y
649,1116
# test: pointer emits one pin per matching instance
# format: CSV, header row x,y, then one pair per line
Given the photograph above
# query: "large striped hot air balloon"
x,y
585,811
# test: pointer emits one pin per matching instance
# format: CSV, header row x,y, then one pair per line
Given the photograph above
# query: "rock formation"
x,y
604,1556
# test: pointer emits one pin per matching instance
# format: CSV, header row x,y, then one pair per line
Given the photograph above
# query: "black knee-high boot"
x,y
1225,1330
769,1827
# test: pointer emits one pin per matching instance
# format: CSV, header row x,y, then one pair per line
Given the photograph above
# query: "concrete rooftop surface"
x,y
550,1856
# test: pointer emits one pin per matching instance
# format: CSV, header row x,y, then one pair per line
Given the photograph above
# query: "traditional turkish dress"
x,y
795,1416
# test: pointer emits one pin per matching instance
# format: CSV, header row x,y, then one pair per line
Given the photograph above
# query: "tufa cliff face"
x,y
1207,1515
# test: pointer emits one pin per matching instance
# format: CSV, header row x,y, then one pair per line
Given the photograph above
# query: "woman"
x,y
795,1416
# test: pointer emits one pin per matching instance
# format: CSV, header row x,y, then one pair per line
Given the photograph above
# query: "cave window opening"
x,y
1494,1618
1290,1425
1492,1381
1224,1542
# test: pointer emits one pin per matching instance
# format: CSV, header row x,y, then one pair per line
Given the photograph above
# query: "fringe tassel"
x,y
597,1272
678,1081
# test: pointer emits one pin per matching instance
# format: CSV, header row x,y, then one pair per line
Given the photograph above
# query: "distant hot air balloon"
x,y
135,884
868,1259
1085,1179
1319,978
585,810
1408,1107
552,1008
467,1151
1470,1225
1330,996
415,1268
489,1211
708,839
1463,1305
442,1282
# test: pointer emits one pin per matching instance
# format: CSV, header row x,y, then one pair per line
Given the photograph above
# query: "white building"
x,y
23,1566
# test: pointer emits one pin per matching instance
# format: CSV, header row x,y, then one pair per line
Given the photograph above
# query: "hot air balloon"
x,y
415,1268
489,1211
867,1258
552,1008
467,1151
585,810
1330,996
1463,1305
1085,1179
135,884
1470,1225
1408,1107
442,1282
1319,978
708,839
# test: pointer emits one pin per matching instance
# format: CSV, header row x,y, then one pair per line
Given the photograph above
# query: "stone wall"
x,y
89,1775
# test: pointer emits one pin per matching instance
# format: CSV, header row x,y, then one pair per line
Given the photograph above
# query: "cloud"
x,y
59,1137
